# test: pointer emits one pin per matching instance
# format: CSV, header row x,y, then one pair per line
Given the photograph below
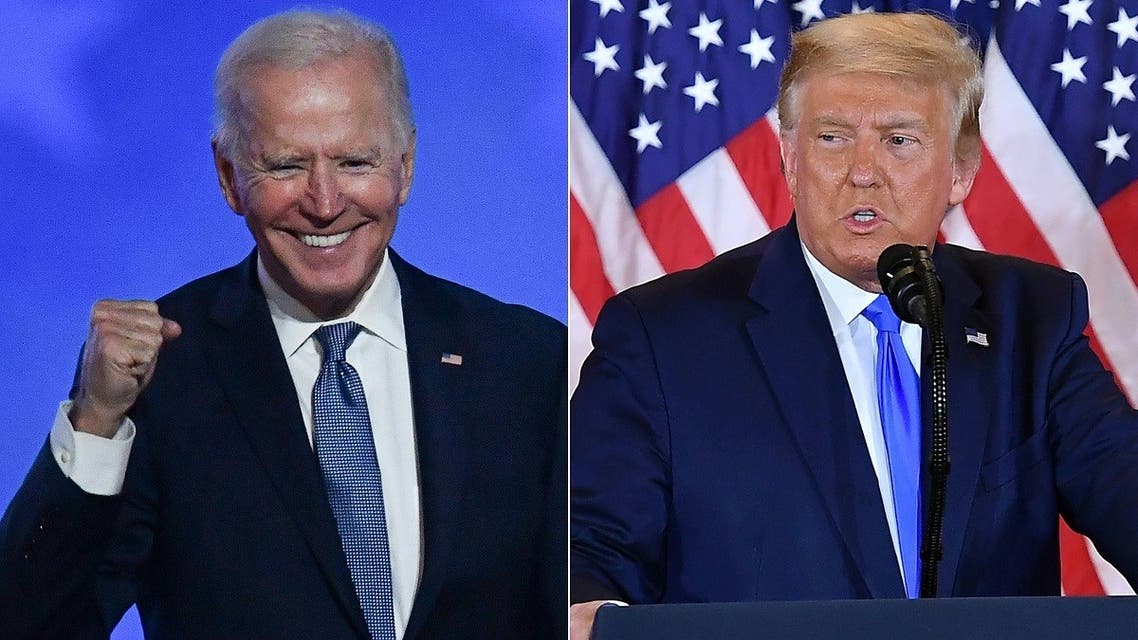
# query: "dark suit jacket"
x,y
223,529
717,455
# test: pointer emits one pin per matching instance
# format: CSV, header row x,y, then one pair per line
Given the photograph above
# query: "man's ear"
x,y
227,179
788,156
963,174
407,168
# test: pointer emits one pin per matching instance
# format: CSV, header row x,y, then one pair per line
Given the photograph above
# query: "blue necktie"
x,y
899,402
346,451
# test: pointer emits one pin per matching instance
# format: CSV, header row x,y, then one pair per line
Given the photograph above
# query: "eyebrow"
x,y
289,157
369,152
893,122
281,158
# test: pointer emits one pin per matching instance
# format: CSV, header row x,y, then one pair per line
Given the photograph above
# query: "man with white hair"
x,y
321,441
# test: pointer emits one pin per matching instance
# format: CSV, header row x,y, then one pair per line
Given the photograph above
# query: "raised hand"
x,y
118,362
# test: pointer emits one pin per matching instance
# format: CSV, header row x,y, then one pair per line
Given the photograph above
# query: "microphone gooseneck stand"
x,y
932,542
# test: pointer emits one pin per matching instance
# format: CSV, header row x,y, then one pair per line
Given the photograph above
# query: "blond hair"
x,y
908,46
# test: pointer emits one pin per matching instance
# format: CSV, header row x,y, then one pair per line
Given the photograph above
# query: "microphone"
x,y
901,270
910,282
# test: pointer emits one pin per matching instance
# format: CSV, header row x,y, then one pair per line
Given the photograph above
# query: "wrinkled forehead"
x,y
826,93
339,93
264,86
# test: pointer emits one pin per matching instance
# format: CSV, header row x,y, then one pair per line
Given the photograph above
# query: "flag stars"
x,y
1070,68
652,74
868,8
1120,87
703,92
707,32
759,49
1114,145
956,3
603,57
609,5
1076,12
646,134
759,3
1126,27
811,10
1021,3
656,15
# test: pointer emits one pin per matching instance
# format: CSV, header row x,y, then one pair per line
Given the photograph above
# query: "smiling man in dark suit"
x,y
752,429
321,441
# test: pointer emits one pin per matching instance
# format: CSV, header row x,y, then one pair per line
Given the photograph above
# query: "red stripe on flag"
x,y
755,153
1000,219
673,231
587,276
1120,216
1078,576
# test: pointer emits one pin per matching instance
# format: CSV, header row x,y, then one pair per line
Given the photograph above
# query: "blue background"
x,y
108,188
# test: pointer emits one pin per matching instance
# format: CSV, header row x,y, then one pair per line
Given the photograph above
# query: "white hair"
x,y
297,40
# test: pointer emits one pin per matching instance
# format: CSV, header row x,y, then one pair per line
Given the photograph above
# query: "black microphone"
x,y
901,270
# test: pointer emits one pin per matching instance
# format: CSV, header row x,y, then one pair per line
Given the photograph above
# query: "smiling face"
x,y
870,162
319,178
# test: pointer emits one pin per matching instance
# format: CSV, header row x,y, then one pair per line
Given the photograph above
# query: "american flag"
x,y
674,153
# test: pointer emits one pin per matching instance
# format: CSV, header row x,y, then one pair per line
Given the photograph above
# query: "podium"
x,y
941,619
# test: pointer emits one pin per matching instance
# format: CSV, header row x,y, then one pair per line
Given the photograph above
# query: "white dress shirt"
x,y
856,338
379,354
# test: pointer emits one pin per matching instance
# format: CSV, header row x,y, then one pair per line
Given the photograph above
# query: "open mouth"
x,y
864,216
313,240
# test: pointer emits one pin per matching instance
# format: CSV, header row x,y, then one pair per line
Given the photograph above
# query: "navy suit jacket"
x,y
223,529
717,455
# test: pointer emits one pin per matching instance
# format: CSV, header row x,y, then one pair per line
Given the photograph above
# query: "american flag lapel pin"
x,y
452,358
972,336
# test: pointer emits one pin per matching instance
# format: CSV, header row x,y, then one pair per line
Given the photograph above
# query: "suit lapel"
x,y
791,336
248,364
439,393
971,384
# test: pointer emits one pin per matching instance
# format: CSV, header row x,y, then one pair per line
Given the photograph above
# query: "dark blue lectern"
x,y
943,619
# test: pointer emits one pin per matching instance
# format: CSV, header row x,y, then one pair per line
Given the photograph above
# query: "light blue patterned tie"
x,y
346,451
899,401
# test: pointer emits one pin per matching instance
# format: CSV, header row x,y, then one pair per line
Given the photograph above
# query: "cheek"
x,y
268,198
825,172
376,195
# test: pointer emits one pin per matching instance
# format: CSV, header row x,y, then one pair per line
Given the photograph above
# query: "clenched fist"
x,y
118,362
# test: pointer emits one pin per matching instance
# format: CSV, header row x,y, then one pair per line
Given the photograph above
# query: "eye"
x,y
357,164
900,141
285,169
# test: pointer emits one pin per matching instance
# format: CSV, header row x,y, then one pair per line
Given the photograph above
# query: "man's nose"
x,y
865,171
325,199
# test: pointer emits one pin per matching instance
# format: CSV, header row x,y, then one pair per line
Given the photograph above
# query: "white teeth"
x,y
864,216
324,241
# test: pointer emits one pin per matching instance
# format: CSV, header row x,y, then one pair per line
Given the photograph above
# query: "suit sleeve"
x,y
551,569
52,538
71,561
619,465
1094,437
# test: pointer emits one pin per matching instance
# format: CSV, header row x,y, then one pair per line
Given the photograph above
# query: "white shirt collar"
x,y
844,300
379,310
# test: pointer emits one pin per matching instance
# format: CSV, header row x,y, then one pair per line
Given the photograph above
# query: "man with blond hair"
x,y
735,434
321,441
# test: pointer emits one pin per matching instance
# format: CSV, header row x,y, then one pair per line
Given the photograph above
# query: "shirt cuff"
x,y
97,465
